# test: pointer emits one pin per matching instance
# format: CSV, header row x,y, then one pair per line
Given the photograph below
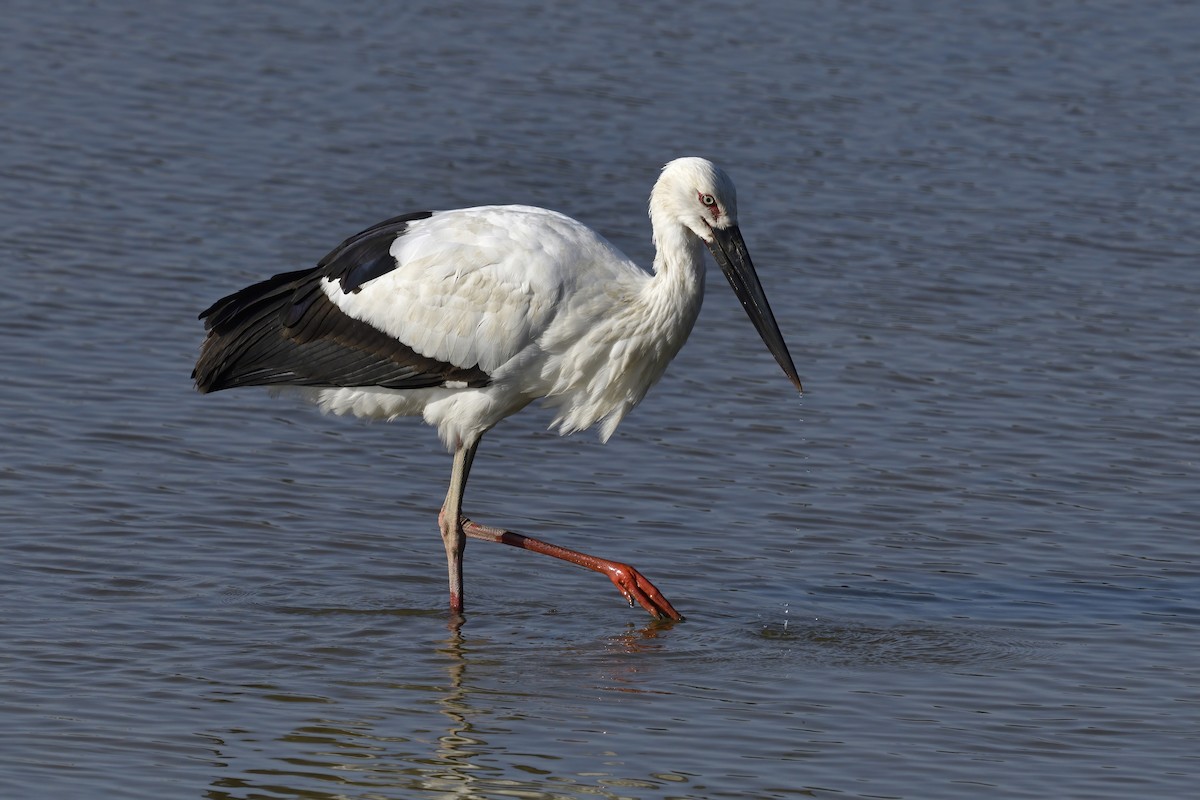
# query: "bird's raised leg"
x,y
631,583
455,527
450,522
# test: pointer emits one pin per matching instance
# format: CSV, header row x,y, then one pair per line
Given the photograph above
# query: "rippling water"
x,y
965,563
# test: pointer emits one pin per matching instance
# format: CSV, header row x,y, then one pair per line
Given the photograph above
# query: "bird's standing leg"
x,y
450,522
631,583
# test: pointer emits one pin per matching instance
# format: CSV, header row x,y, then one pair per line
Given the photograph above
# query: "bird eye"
x,y
708,200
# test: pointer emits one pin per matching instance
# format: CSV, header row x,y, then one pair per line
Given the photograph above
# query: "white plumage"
x,y
543,304
466,316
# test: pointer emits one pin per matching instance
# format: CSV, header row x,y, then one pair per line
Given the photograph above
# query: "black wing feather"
x,y
367,255
286,331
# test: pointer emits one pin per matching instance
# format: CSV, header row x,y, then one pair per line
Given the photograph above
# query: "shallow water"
x,y
965,563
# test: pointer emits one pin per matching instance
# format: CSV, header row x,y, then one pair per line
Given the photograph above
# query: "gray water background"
x,y
965,564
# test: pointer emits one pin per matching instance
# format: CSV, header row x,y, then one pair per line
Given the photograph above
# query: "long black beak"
x,y
729,249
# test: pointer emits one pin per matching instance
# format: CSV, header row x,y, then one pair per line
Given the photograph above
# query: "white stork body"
x,y
464,317
542,304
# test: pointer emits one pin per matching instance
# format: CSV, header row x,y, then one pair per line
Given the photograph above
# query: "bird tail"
x,y
285,331
246,338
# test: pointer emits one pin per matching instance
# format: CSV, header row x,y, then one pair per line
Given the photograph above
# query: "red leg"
x,y
632,584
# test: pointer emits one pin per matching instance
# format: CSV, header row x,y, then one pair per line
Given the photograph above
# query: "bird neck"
x,y
679,260
677,288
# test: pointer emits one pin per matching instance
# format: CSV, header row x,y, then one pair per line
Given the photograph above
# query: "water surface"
x,y
965,563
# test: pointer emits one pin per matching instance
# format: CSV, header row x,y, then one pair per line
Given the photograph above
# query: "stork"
x,y
464,317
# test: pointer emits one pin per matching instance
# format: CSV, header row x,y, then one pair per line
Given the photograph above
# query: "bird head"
x,y
697,194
